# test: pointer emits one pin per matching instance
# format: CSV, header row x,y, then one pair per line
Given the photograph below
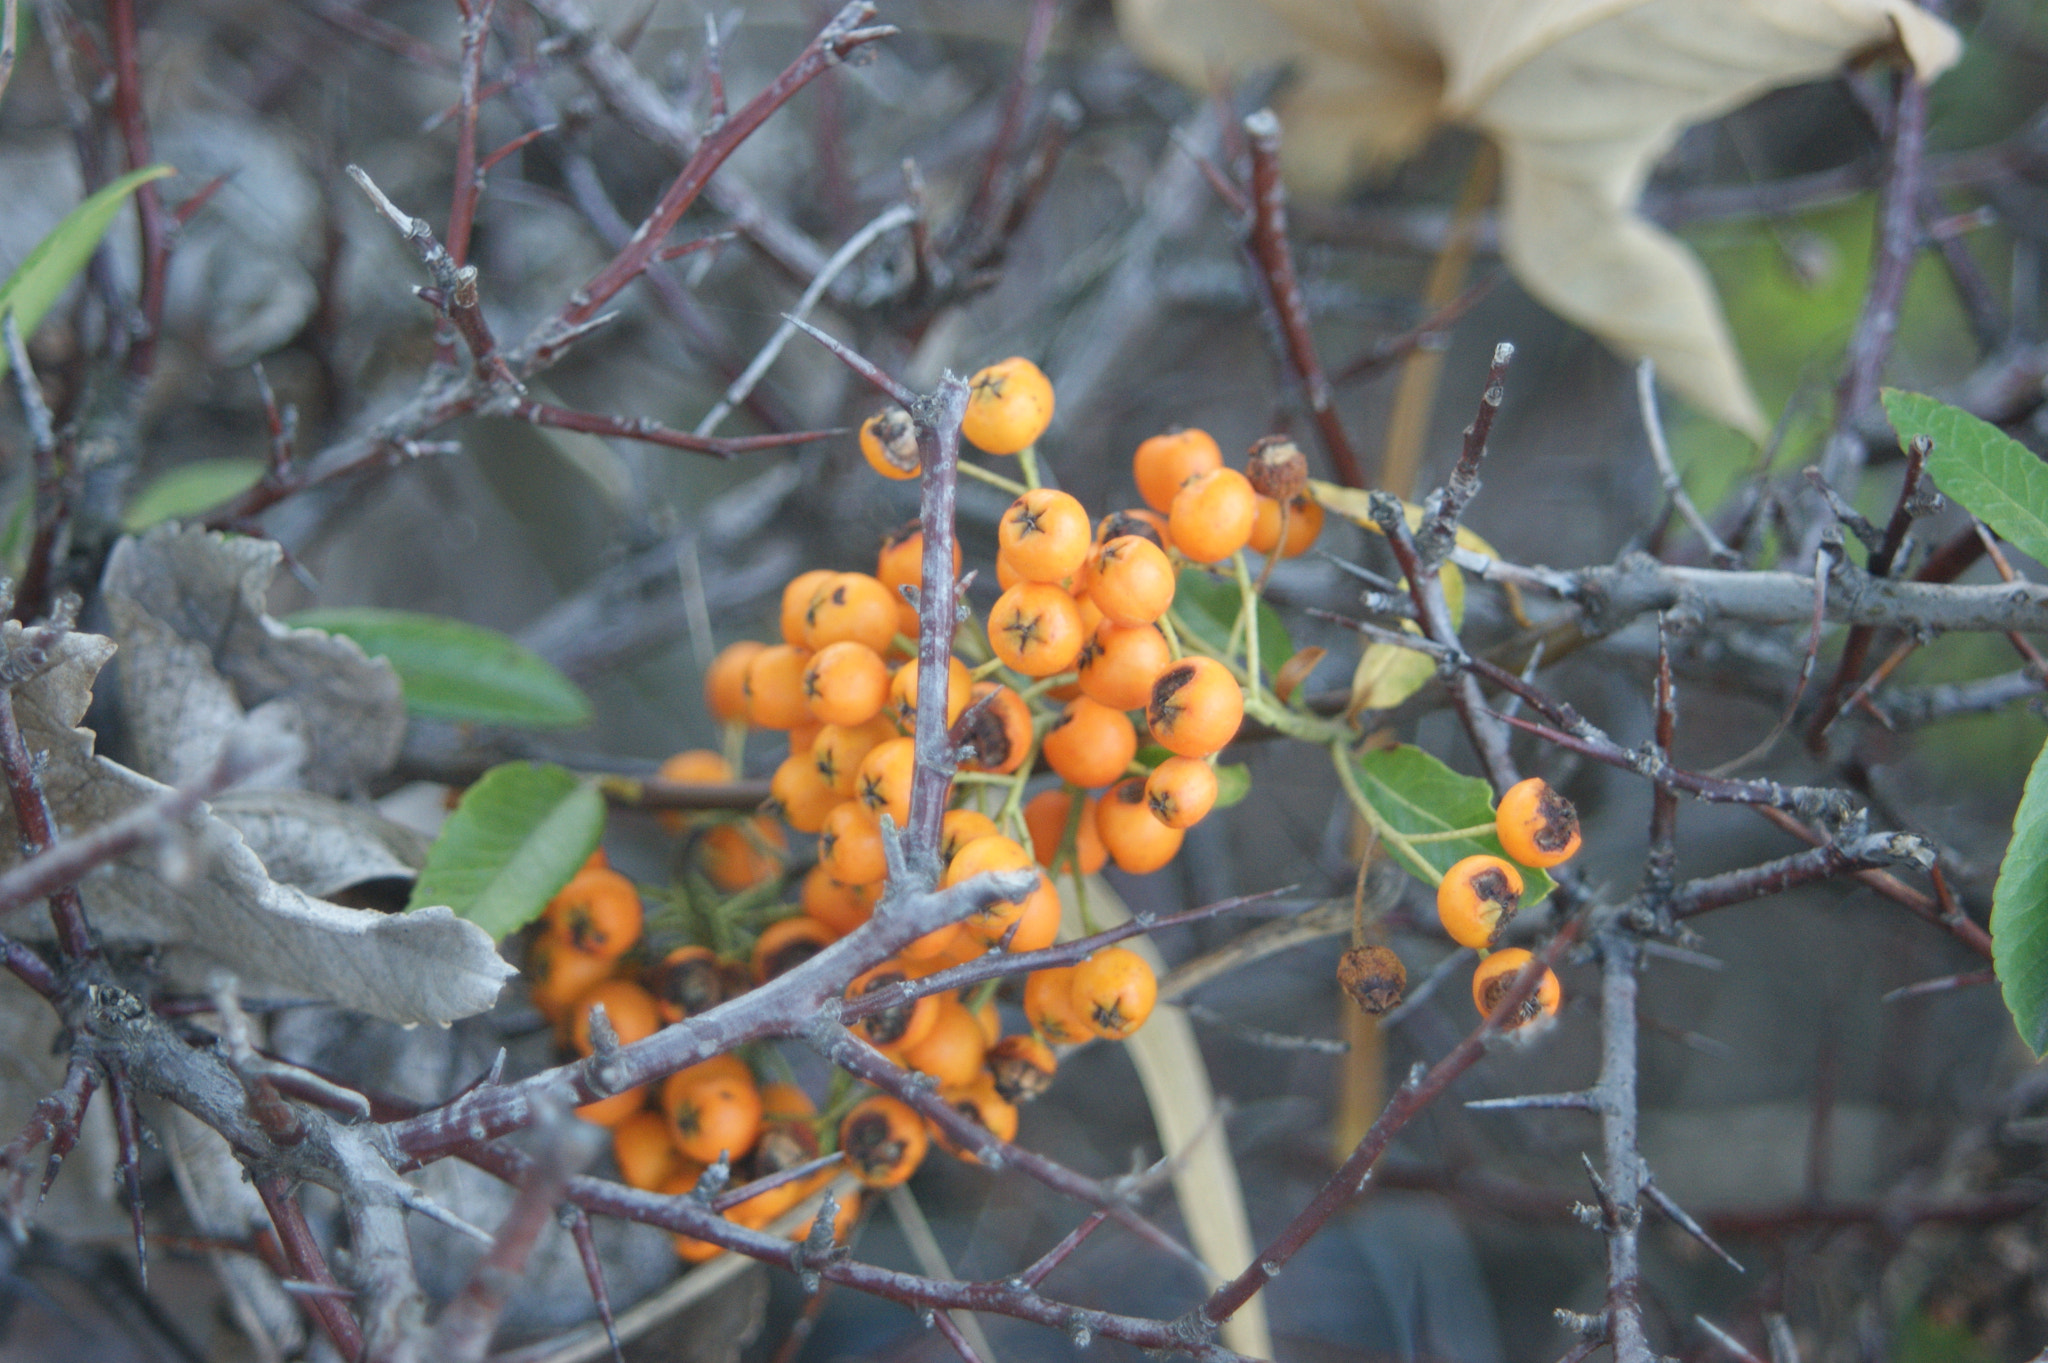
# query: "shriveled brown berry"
x,y
1023,1067
1374,978
1278,468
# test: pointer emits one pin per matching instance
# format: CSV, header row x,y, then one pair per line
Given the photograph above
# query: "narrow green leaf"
x,y
1998,480
41,278
1416,793
190,489
1233,783
517,837
1208,606
457,671
2019,913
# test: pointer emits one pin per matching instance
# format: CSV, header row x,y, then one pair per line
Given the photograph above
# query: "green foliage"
x,y
1412,792
515,840
40,280
190,489
1233,783
1995,478
1207,607
2019,913
457,671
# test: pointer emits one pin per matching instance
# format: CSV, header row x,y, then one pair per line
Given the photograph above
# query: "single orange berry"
x,y
990,1018
850,845
800,794
691,767
1049,1007
897,1028
646,1154
978,1101
557,975
713,1115
1477,898
725,681
775,688
1133,581
902,704
1304,525
837,751
996,853
688,981
1181,791
1090,744
841,908
888,441
1114,991
1496,974
1034,929
786,944
952,1051
1119,663
1009,405
1047,816
1195,708
846,684
960,827
1536,825
1022,1067
884,1141
597,913
1212,515
796,602
998,732
737,856
1137,842
883,783
630,1009
620,1107
851,606
932,951
1044,534
1035,629
1166,461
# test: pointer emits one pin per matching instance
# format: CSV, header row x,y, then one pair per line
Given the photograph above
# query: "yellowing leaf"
x,y
1582,97
1388,674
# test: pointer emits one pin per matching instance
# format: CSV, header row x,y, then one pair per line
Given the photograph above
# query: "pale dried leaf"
x,y
1582,95
321,845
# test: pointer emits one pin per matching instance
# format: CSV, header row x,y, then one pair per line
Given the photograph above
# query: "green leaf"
x,y
2019,913
514,841
1415,793
458,671
40,280
190,489
1233,783
1208,606
1997,479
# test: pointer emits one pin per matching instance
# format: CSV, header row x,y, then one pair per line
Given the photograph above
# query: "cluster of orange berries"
x,y
1480,895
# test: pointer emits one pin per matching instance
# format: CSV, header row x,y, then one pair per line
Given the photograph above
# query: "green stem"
x,y
1397,842
1014,488
1027,464
1045,684
1248,612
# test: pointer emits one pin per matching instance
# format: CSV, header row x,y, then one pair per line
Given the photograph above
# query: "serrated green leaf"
x,y
515,840
1233,783
41,278
1997,479
457,671
1208,607
1416,793
2019,913
190,489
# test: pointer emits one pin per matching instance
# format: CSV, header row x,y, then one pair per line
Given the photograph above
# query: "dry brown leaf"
x,y
1582,96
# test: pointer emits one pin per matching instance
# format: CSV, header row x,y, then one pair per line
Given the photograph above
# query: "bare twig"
x,y
1674,486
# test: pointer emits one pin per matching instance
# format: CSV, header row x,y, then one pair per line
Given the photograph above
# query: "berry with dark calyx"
x,y
1477,898
1536,825
888,441
1496,974
1278,469
1022,1066
1374,978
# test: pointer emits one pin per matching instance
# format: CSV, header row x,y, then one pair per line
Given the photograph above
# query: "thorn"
x,y
578,1223
128,1135
1581,1101
1726,1340
1693,1228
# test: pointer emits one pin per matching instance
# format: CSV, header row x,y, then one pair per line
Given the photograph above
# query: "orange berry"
x,y
1477,898
557,975
1044,534
846,684
952,1051
888,441
725,681
1035,629
841,908
687,982
1009,405
1090,744
884,1140
712,1114
960,827
629,1008
692,767
850,845
1137,842
902,704
931,951
1181,791
1304,524
837,752
646,1154
786,944
1140,521
1536,825
1491,981
1133,581
1035,929
1049,1007
979,1102
620,1107
1212,515
851,606
597,913
991,1020
1008,574
898,1028
800,795
1166,461
796,602
1000,731
1119,663
1195,708
775,688
1114,991
883,783
1047,815
736,856
996,853
1022,1067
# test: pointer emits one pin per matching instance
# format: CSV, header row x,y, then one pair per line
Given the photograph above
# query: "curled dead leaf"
x,y
1295,671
